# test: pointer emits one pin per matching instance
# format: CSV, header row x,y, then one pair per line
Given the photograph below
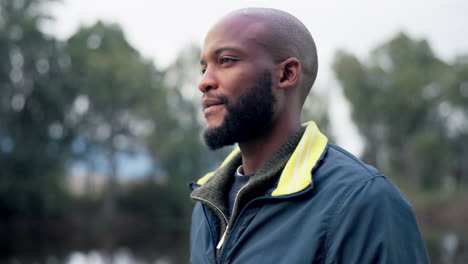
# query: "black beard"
x,y
250,118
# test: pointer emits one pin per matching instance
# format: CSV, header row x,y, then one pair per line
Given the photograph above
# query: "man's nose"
x,y
207,82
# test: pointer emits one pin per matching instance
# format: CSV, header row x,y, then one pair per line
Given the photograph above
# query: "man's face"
x,y
237,81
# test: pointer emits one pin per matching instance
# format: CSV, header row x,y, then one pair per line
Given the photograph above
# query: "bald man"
x,y
284,195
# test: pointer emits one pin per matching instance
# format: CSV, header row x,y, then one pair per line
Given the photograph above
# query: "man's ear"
x,y
290,73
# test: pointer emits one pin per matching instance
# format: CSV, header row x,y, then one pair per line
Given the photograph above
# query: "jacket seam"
x,y
356,161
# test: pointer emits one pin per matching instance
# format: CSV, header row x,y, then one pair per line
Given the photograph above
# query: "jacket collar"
x,y
297,174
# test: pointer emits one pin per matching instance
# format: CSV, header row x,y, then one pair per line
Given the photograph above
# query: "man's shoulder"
x,y
337,162
344,175
370,219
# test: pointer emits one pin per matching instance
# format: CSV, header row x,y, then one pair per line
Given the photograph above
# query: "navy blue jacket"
x,y
347,212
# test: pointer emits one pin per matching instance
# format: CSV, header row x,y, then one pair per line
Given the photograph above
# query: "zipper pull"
x,y
221,242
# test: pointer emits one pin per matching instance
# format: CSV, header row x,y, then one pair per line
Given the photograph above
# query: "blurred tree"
x,y
180,151
316,109
119,95
397,98
177,142
455,112
34,136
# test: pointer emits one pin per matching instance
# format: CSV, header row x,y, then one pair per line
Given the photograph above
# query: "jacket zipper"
x,y
221,256
212,204
221,241
224,218
224,237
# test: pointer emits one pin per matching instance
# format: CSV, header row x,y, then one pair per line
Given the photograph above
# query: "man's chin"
x,y
217,137
214,122
210,126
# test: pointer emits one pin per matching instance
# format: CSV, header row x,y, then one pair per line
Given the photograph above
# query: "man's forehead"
x,y
237,28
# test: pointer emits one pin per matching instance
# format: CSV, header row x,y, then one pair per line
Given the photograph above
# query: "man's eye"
x,y
226,60
203,71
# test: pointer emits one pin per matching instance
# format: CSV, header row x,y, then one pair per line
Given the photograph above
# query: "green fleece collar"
x,y
297,174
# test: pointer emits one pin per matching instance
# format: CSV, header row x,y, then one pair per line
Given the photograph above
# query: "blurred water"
x,y
119,256
450,248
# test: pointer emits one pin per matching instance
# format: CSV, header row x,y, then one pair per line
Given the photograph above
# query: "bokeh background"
x,y
100,118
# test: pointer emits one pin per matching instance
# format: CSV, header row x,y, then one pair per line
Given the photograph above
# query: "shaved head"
x,y
284,37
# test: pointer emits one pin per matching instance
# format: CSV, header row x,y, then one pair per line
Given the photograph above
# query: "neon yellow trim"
x,y
207,176
297,174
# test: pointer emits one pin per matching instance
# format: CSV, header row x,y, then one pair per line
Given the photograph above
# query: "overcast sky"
x,y
160,29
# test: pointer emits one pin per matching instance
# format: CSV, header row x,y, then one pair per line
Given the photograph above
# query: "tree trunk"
x,y
110,189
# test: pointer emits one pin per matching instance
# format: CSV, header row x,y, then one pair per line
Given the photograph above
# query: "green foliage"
x,y
34,137
114,79
177,141
121,97
398,99
155,200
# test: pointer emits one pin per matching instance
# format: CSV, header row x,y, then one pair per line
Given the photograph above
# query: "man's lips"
x,y
208,102
212,105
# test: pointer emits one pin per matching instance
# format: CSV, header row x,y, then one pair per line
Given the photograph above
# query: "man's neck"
x,y
257,151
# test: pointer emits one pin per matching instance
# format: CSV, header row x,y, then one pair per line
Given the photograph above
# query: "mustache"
x,y
220,97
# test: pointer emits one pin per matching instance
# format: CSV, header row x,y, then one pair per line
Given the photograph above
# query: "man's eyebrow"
x,y
218,51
